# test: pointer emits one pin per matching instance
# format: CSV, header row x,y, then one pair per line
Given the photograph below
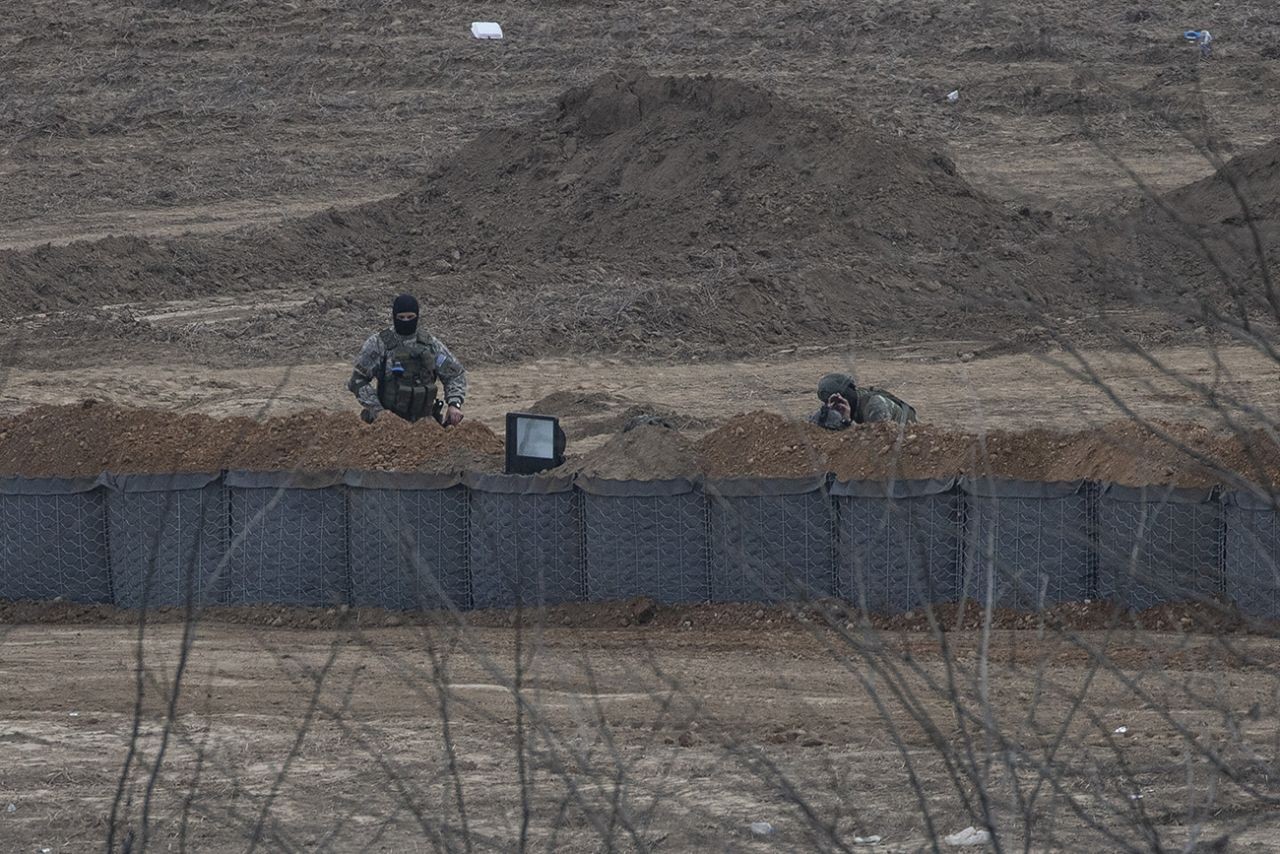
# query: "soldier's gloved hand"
x,y
368,416
452,416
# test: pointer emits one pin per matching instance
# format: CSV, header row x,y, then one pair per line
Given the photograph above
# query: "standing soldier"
x,y
398,367
844,404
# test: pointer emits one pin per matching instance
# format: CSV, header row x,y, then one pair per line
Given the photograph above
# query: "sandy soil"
x,y
1004,391
663,739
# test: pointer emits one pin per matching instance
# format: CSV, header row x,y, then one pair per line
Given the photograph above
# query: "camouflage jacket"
x,y
871,406
373,361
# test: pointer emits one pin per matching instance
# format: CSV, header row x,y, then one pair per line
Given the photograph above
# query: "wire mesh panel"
x,y
646,545
1030,540
900,544
53,542
168,536
770,547
525,546
288,545
1252,555
409,548
1158,544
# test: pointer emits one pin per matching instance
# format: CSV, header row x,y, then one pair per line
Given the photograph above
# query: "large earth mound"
x,y
1215,238
774,219
660,172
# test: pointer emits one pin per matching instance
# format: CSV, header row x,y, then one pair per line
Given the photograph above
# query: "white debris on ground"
x,y
970,836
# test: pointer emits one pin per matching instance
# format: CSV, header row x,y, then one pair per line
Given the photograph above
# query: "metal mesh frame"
x,y
408,548
166,545
1252,557
525,549
646,546
288,547
1159,545
896,554
1036,549
55,546
767,548
419,541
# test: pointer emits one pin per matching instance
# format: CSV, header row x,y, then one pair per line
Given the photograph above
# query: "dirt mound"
x,y
584,414
633,163
566,404
646,208
92,438
1163,249
762,444
644,453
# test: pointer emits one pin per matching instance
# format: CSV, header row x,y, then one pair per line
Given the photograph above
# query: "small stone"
x,y
642,609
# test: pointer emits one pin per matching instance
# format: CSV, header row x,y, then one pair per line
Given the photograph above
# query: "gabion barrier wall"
x,y
407,541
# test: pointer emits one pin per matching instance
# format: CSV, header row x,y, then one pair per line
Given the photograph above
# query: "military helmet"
x,y
841,384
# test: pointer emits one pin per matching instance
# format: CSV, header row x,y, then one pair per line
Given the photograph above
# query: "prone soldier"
x,y
845,404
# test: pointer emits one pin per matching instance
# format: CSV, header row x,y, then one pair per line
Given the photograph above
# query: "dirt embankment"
x,y
777,221
91,438
1217,238
1192,455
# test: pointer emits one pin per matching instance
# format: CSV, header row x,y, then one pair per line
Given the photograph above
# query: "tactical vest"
x,y
407,377
908,409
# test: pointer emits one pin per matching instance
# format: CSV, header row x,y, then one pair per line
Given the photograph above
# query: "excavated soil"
x,y
672,208
676,215
764,444
602,413
1217,237
644,453
91,438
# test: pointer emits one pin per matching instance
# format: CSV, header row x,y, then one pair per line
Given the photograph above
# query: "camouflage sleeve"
x,y
878,408
828,418
451,373
366,367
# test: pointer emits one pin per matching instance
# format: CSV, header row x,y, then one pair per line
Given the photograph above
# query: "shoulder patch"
x,y
440,359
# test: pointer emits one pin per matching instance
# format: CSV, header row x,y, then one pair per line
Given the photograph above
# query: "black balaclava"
x,y
404,303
